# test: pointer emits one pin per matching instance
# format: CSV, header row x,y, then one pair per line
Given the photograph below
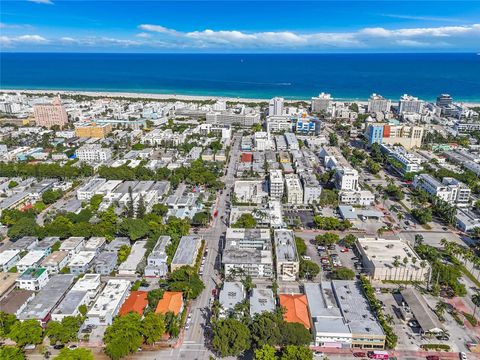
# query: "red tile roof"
x,y
136,302
171,301
246,158
296,306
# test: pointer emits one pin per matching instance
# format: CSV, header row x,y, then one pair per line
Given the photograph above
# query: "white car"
x,y
306,257
318,354
463,356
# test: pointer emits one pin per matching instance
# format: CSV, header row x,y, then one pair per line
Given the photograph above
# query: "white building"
x,y
73,244
391,260
354,197
275,106
93,153
250,191
81,262
129,266
33,279
286,256
312,190
276,184
91,283
346,179
8,259
278,124
31,259
294,189
55,262
109,302
292,141
157,265
410,105
449,190
377,103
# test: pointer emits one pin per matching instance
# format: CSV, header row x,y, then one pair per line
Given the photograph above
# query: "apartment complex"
x,y
93,153
288,263
276,184
49,115
93,130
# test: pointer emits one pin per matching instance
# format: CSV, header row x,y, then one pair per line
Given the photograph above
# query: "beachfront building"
x,y
49,115
321,103
377,103
275,106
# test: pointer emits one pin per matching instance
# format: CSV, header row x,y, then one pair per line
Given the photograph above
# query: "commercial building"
x,y
42,305
250,191
377,103
187,252
391,260
33,279
32,259
408,136
296,309
93,153
276,184
404,161
329,328
248,251
232,294
365,328
81,262
346,179
321,103
8,259
136,302
55,262
288,263
261,300
414,307
137,253
467,220
108,304
49,115
93,130
359,197
172,301
157,260
294,189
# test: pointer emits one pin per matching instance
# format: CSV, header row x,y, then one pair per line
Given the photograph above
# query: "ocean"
x,y
293,76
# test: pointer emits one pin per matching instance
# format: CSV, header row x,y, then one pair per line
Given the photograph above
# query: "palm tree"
x,y
476,301
440,308
389,319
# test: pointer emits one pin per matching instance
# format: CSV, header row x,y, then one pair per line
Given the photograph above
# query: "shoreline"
x,y
182,97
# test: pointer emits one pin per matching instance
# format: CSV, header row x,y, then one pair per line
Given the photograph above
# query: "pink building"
x,y
49,115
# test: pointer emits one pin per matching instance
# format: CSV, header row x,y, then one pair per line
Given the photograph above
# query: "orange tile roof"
x,y
296,306
136,302
171,301
246,158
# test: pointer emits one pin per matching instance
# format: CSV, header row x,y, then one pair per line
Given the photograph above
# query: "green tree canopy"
x,y
26,332
266,352
246,221
295,334
308,269
11,353
292,352
153,327
186,279
124,336
343,273
327,239
63,331
265,329
6,323
230,337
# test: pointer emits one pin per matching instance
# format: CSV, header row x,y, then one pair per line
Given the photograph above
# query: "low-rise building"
x,y
93,153
261,300
250,191
70,304
16,301
55,262
296,309
33,279
391,260
8,259
346,179
157,260
232,294
7,282
73,245
288,263
93,130
42,305
136,302
96,244
105,262
32,259
187,252
359,197
108,304
81,262
91,284
47,244
312,190
129,266
172,301
24,244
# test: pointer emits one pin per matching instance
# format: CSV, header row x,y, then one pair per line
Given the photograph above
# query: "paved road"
x,y
194,344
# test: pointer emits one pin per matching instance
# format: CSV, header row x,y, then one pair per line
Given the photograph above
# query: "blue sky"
x,y
247,26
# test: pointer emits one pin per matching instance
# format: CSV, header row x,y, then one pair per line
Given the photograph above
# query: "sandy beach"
x,y
134,95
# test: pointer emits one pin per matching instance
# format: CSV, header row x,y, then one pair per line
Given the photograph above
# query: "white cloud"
x,y
48,2
157,28
443,31
144,35
15,26
23,39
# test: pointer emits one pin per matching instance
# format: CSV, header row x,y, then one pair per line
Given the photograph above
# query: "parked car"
x,y
463,356
58,346
359,354
344,250
433,357
306,257
318,354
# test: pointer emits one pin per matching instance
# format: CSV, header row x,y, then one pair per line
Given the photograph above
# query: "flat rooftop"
x,y
47,298
7,280
285,247
186,251
71,302
261,300
54,258
15,299
136,255
355,308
